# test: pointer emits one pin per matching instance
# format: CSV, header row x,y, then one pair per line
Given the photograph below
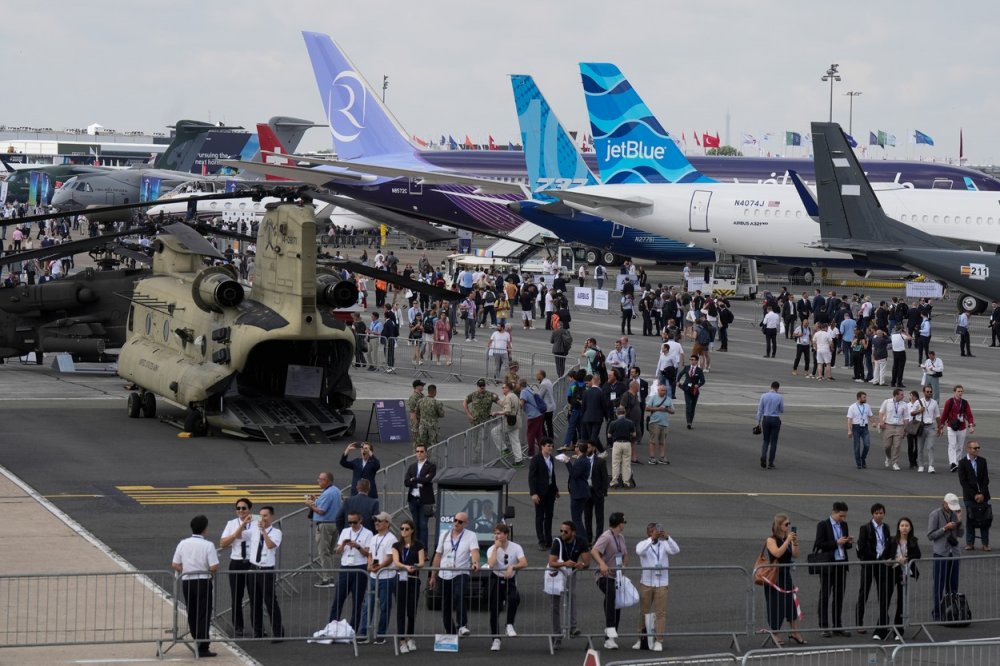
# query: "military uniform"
x,y
429,410
480,405
411,408
513,379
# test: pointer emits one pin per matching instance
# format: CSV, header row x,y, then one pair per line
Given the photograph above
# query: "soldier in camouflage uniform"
x,y
478,405
512,377
411,405
429,411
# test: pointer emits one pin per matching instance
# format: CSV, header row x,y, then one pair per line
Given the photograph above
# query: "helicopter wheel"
x,y
39,358
194,423
134,405
148,405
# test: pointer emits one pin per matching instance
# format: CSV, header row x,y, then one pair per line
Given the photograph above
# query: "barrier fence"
x,y
147,607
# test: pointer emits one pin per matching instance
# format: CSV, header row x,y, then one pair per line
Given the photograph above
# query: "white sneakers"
x,y
895,467
510,631
610,644
930,469
657,646
463,631
887,462
638,645
611,632
404,648
920,469
496,645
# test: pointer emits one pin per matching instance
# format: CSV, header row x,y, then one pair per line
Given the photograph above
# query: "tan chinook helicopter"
x,y
269,365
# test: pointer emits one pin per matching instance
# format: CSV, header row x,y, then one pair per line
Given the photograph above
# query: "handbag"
x,y
763,569
757,429
914,428
428,510
817,557
980,515
625,593
554,581
512,419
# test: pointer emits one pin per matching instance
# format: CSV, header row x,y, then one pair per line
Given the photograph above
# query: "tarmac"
x,y
115,494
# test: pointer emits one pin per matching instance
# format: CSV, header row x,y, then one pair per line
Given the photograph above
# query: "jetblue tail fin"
x,y
632,146
189,137
848,207
552,159
360,124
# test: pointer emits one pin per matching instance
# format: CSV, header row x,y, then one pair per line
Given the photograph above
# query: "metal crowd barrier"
x,y
840,655
964,653
721,659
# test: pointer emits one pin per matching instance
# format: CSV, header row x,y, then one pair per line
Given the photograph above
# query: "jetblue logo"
x,y
352,112
634,150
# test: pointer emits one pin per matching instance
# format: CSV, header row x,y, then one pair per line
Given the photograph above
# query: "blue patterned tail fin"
x,y
632,146
553,160
360,124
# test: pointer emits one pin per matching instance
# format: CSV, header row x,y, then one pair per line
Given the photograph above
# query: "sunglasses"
x,y
242,508
353,522
404,528
459,522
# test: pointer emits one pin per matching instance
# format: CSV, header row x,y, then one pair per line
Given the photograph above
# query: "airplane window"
x,y
902,218
947,219
925,219
936,220
989,220
756,213
746,211
968,220
767,213
798,214
979,220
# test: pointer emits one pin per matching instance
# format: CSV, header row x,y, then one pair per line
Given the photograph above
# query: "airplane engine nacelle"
x,y
334,292
217,288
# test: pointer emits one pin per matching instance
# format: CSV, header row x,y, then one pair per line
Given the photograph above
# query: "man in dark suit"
x,y
875,545
420,482
833,540
690,380
974,476
579,486
819,307
362,468
803,308
995,325
594,411
361,504
544,491
599,483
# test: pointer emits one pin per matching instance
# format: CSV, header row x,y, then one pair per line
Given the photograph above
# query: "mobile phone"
x,y
795,530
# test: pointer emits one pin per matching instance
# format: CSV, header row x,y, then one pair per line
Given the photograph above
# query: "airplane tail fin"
x,y
848,207
632,146
289,131
360,124
270,143
189,137
6,166
552,159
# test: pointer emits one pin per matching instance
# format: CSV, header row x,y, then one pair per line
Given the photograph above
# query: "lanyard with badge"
x,y
403,573
658,564
351,550
451,557
619,549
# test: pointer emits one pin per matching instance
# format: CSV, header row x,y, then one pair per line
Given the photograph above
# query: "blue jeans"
x,y
945,580
970,531
771,426
573,425
861,436
383,588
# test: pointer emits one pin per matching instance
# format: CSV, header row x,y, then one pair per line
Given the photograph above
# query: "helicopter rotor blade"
x,y
439,293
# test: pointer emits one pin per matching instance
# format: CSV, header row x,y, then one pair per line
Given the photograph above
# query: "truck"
x,y
732,279
484,494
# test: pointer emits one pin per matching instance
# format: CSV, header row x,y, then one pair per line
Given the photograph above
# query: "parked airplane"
x,y
766,222
851,219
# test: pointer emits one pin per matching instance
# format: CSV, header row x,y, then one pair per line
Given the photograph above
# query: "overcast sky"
x,y
922,65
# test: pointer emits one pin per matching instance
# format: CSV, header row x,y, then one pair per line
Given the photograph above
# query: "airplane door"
x,y
699,210
617,230
416,186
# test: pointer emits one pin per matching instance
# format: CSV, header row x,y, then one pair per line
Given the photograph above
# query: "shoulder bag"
x,y
763,569
554,582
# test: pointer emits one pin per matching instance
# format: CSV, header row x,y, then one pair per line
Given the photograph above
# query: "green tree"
x,y
725,151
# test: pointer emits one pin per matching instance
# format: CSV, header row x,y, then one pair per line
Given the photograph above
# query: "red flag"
x,y
420,142
468,142
696,141
710,141
493,146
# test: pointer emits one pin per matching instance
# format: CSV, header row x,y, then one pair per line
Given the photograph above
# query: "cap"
x,y
383,516
951,499
417,382
481,382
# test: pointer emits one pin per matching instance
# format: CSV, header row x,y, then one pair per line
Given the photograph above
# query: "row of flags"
x,y
879,138
451,144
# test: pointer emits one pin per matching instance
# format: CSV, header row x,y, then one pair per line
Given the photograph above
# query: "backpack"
x,y
539,403
575,397
705,335
429,326
600,365
726,317
955,611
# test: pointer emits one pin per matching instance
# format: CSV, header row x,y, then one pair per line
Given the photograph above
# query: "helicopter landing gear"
x,y
134,405
141,403
148,405
194,423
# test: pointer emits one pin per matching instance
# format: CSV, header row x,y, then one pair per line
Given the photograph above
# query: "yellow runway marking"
x,y
278,493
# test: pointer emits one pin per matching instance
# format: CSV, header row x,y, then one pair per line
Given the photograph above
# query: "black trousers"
x,y
237,587
612,615
898,365
407,594
924,344
882,576
543,518
801,351
770,341
576,511
548,424
502,592
594,510
964,347
690,403
198,599
262,594
832,581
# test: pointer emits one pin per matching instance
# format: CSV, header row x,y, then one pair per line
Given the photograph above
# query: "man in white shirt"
x,y
933,368
803,336
770,324
822,343
897,343
195,560
499,347
353,546
928,412
675,352
629,352
616,357
236,537
654,552
383,578
264,541
893,416
504,558
859,418
456,555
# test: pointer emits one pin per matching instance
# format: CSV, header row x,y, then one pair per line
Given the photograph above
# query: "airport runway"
x,y
135,485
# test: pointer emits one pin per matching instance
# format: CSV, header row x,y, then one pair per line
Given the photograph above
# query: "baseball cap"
x,y
481,382
383,516
417,382
951,499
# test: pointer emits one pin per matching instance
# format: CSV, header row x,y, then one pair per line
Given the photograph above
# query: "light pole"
x,y
831,76
850,114
385,85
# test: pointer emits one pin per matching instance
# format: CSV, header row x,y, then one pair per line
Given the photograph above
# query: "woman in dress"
x,y
408,556
782,546
442,340
907,551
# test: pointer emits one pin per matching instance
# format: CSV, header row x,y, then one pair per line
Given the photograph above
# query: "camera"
x,y
952,540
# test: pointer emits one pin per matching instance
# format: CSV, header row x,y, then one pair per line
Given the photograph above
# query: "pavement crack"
x,y
253,461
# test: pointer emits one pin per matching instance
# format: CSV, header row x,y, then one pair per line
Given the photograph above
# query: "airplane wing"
x,y
419,229
427,177
303,174
598,200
